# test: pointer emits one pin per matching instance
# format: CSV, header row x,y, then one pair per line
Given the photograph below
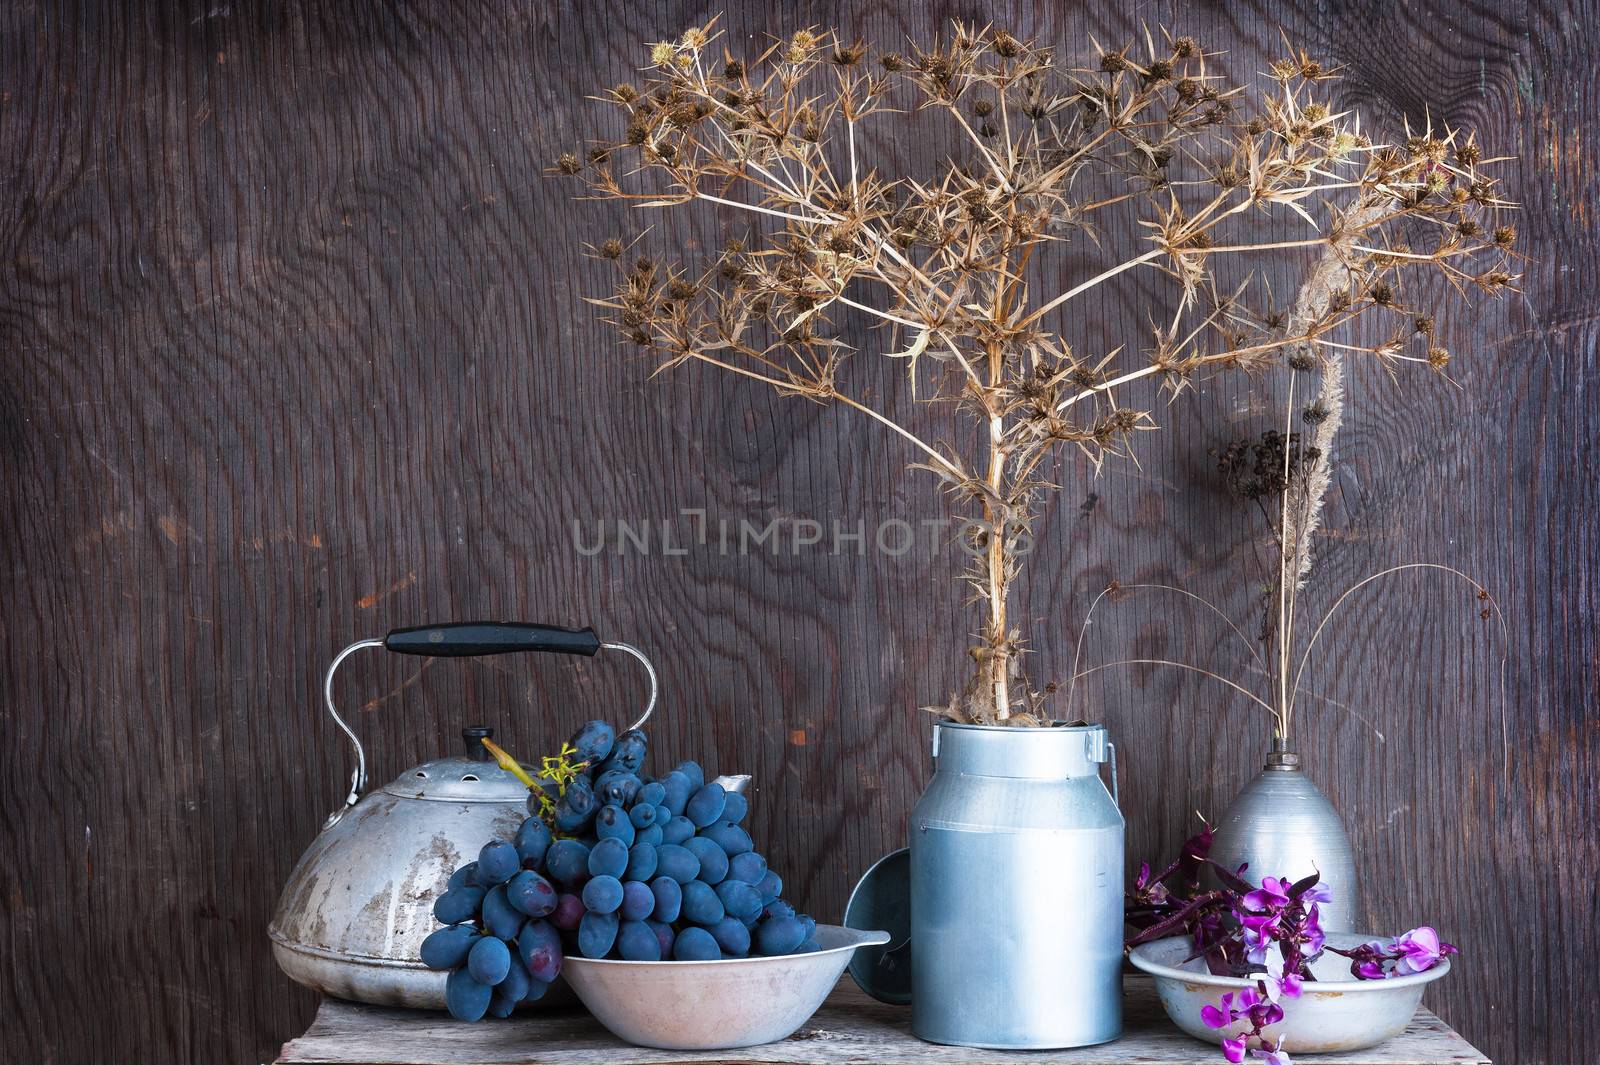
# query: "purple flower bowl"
x,y
1335,1012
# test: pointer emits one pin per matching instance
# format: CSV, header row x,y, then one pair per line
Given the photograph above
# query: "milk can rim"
x,y
1053,729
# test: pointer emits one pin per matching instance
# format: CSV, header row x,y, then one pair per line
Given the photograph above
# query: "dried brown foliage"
x,y
952,262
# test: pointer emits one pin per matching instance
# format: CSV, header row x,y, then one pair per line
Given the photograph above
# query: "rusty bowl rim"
x,y
1320,987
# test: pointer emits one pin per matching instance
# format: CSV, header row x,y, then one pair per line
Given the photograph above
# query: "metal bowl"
x,y
714,1005
1336,1012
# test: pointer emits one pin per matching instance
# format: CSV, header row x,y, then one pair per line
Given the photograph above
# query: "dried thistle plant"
x,y
954,263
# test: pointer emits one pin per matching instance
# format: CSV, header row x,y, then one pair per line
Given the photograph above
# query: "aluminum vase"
x,y
1282,825
1016,890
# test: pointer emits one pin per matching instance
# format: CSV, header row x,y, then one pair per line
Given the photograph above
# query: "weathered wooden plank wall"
x,y
293,352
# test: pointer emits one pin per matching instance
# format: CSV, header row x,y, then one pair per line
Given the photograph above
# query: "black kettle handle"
x,y
466,639
463,639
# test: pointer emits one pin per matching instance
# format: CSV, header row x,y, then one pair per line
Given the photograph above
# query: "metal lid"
x,y
882,900
1283,761
458,780
470,777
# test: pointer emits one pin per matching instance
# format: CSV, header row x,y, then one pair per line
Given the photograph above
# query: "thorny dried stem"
x,y
957,260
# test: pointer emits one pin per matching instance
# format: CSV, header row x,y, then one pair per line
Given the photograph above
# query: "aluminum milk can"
x,y
1016,890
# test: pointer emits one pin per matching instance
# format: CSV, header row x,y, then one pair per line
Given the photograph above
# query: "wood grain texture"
x,y
293,352
849,1028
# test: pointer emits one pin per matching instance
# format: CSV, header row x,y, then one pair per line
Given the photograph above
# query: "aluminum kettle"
x,y
353,915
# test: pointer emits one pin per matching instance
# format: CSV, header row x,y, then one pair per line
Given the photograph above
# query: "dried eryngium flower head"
x,y
959,265
1267,465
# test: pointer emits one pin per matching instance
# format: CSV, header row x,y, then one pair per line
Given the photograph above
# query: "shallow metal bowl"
x,y
1336,1012
714,1005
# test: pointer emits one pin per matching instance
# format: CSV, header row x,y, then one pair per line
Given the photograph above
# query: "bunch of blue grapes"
x,y
634,867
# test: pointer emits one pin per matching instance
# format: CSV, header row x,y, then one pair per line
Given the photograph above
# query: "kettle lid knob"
x,y
471,736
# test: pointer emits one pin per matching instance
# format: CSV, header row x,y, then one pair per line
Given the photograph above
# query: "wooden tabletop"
x,y
850,1028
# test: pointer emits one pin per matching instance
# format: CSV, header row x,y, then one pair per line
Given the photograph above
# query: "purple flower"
x,y
1218,1018
1418,951
1272,894
1147,888
1253,1008
1366,961
1276,1056
1279,983
1415,951
1369,970
1257,927
1234,1005
1258,1009
1312,932
1257,935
